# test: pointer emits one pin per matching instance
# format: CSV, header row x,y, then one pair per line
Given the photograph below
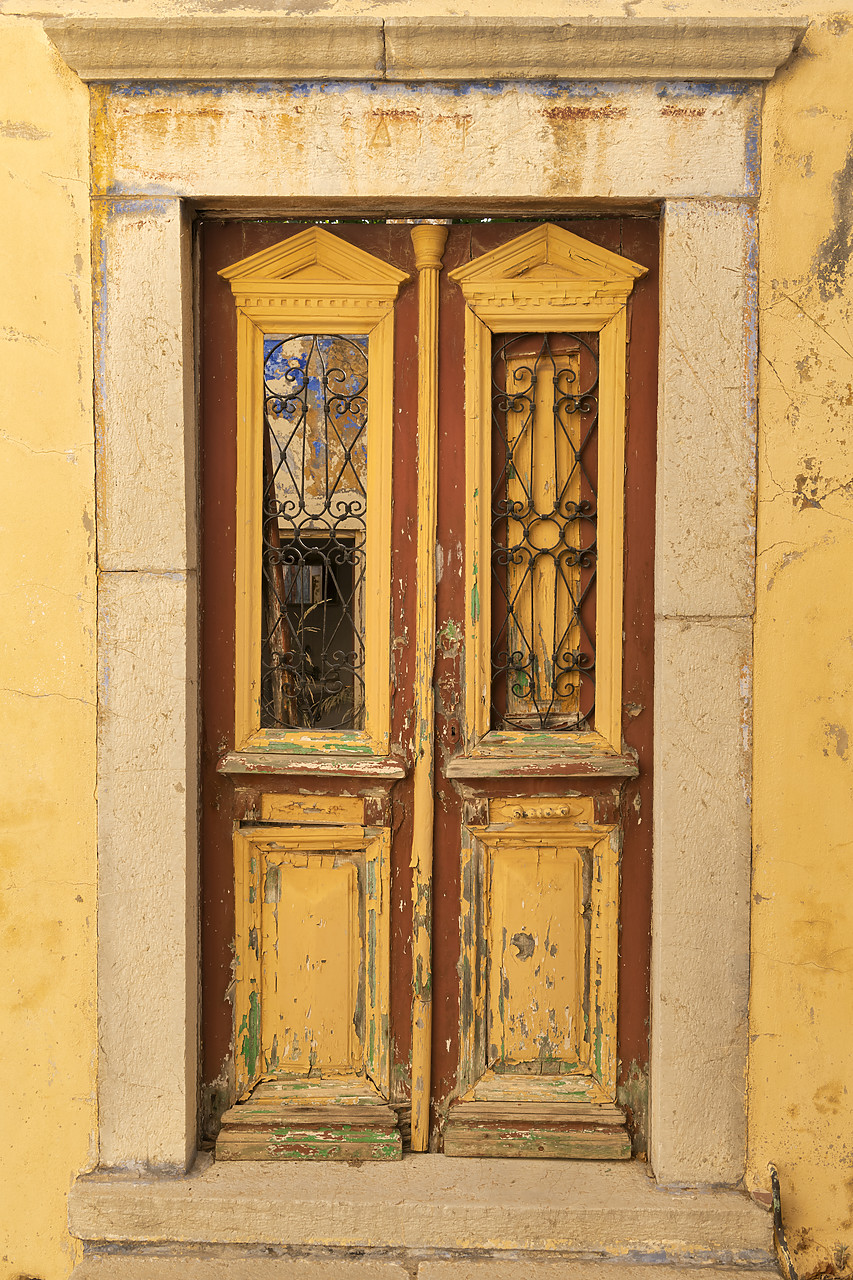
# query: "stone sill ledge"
x,y
426,1203
283,47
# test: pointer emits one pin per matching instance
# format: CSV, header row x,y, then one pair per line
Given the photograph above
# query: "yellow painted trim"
x,y
429,240
478,594
610,531
571,257
248,560
589,293
504,312
370,848
247,973
576,808
269,302
333,809
310,248
377,603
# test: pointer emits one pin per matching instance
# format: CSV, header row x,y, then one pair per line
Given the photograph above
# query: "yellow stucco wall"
x,y
47,623
801,1064
801,1107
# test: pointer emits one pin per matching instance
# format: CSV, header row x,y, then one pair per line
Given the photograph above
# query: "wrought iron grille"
x,y
544,474
314,525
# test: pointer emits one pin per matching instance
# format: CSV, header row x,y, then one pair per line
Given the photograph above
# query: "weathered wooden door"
x,y
426,677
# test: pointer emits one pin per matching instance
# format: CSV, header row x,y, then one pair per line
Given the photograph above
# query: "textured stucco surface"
x,y
146,477
428,1202
704,574
800,1109
490,142
702,964
148,918
396,8
801,1101
47,698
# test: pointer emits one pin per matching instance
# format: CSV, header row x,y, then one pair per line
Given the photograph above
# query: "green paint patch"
x,y
450,632
475,603
349,741
343,1142
250,1046
634,1094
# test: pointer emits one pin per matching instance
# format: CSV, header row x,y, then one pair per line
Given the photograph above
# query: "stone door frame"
x,y
164,149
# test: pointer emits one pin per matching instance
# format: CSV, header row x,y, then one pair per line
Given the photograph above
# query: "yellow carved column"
x,y
429,240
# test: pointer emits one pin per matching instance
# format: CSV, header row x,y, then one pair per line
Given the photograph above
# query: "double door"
x,y
427,457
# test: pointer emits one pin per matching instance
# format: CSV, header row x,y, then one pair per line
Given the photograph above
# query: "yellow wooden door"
x,y
417,754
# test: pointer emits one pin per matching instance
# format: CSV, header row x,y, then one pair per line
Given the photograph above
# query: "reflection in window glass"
x,y
314,524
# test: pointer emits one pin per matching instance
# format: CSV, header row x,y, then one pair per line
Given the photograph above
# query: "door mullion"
x,y
429,240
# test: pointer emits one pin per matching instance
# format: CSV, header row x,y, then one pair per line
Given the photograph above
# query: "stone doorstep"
x,y
424,1205
176,1268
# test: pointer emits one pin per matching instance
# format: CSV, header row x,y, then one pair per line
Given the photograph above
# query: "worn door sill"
x,y
425,1203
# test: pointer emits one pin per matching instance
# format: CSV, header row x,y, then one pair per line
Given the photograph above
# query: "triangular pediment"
x,y
549,253
312,256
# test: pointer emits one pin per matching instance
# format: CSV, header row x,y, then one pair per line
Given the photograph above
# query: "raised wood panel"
x,y
332,809
539,916
311,947
311,981
536,956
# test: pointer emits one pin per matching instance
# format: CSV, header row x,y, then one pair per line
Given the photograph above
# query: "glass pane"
x,y
544,461
315,513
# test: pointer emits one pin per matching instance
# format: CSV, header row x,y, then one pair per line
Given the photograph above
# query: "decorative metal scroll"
x,y
314,524
544,469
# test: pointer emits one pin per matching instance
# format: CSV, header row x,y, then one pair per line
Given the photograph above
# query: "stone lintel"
x,y
285,47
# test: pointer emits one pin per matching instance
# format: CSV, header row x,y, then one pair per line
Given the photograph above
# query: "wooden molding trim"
x,y
283,47
295,305
502,299
428,240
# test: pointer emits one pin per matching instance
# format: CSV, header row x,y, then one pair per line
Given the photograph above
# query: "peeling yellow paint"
x,y
803,912
801,1056
312,943
539,921
347,291
584,288
536,948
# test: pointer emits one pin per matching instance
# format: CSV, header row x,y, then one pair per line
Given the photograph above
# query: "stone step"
x,y
426,1206
519,1268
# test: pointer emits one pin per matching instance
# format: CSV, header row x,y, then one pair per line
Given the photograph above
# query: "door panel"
x,y
524,856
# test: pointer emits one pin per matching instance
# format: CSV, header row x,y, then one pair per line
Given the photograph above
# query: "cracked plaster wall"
x,y
801,1055
800,1113
47,681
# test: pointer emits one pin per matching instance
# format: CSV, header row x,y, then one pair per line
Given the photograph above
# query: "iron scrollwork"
x,y
544,420
314,526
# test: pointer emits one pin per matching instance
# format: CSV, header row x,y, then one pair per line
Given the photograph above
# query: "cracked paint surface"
x,y
801,1059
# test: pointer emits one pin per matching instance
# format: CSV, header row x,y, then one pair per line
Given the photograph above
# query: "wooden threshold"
x,y
561,1117
557,1131
299,1119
